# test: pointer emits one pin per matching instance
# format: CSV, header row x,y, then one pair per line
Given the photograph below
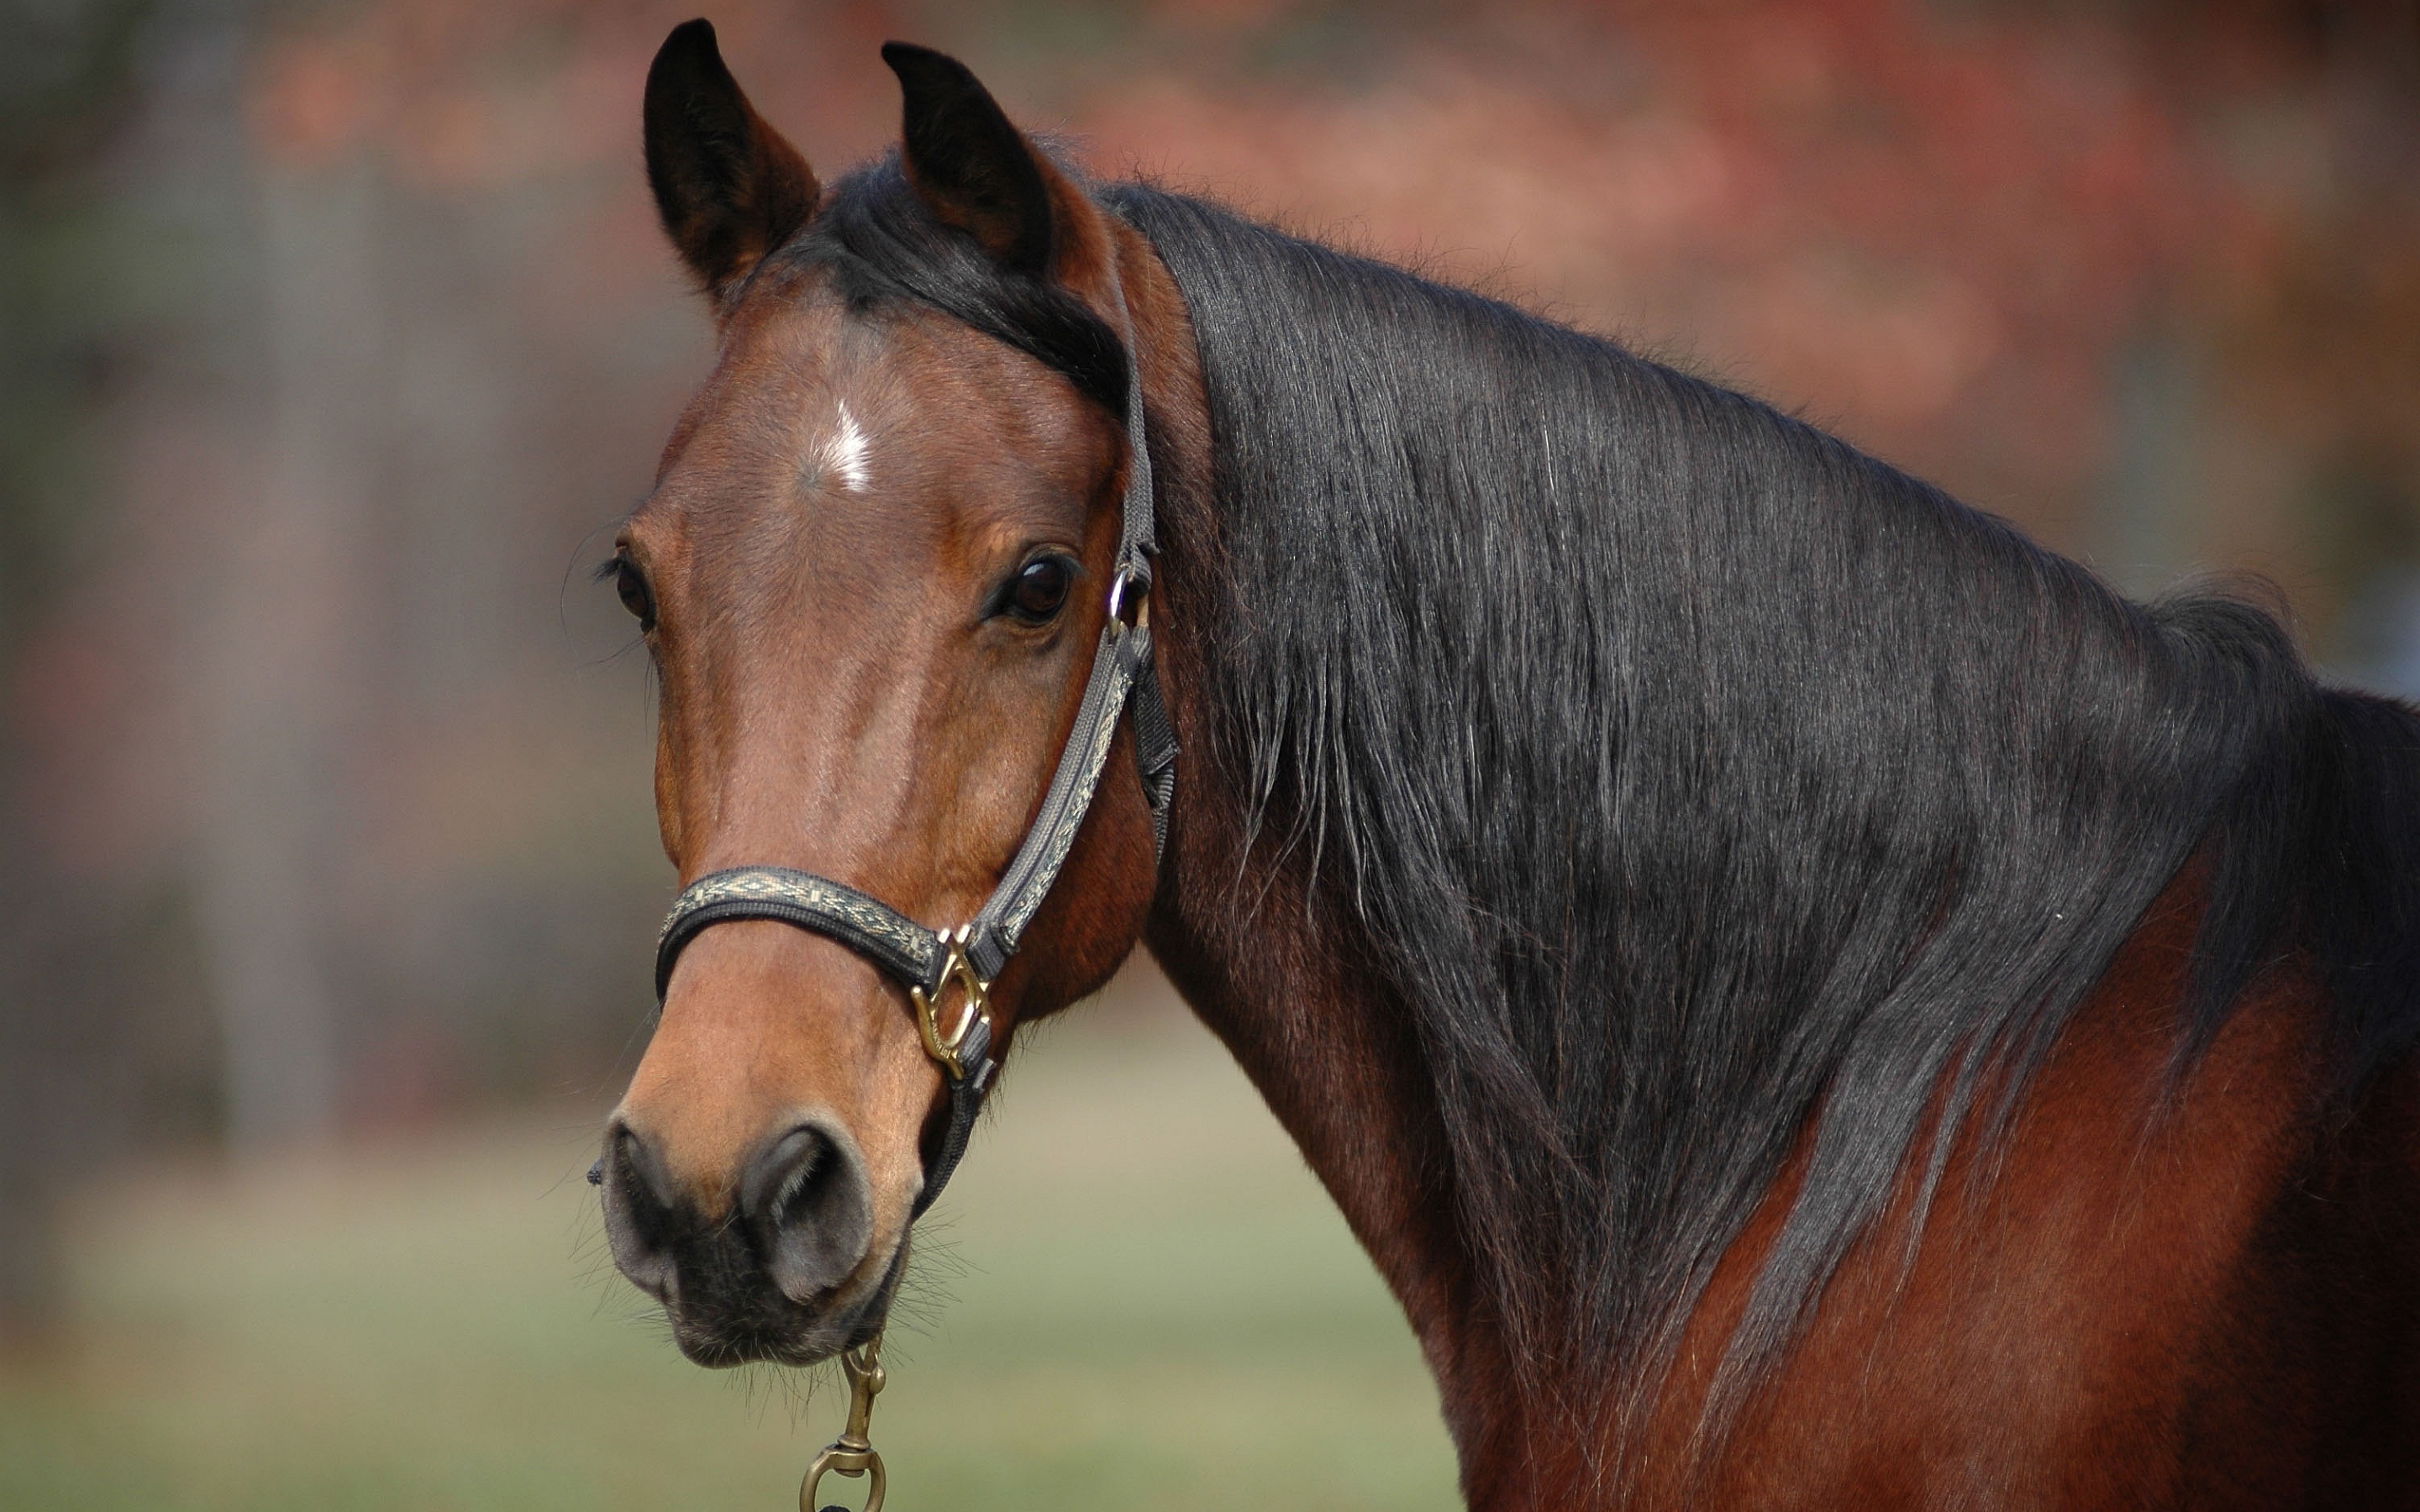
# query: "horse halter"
x,y
928,962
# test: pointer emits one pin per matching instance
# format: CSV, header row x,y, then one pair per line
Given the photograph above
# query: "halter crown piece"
x,y
927,962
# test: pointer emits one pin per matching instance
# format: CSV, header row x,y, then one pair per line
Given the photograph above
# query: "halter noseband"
x,y
927,962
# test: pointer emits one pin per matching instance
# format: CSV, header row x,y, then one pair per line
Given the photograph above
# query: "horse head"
x,y
874,578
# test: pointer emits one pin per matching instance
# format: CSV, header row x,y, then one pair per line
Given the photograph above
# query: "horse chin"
x,y
761,1326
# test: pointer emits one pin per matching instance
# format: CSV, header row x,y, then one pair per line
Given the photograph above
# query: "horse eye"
x,y
1040,589
631,585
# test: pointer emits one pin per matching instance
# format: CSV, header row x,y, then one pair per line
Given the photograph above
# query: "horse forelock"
x,y
882,242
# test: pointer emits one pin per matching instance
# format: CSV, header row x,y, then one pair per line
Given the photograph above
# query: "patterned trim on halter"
x,y
1132,647
805,892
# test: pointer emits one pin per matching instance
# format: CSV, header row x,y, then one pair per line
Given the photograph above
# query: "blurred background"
x,y
335,335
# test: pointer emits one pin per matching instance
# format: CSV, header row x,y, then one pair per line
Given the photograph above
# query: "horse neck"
x,y
1276,969
1273,972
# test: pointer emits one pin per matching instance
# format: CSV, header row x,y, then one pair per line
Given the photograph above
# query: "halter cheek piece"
x,y
927,962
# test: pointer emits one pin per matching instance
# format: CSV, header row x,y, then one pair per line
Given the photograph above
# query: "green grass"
x,y
1137,1299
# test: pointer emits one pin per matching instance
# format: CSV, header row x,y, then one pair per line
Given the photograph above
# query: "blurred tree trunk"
x,y
2151,497
29,1281
65,81
283,670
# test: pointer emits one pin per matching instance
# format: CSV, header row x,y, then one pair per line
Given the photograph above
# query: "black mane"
x,y
1694,776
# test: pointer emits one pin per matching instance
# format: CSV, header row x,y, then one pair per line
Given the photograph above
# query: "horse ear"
x,y
728,187
969,165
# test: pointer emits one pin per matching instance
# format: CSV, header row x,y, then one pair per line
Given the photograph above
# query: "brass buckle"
x,y
1130,602
852,1453
978,1004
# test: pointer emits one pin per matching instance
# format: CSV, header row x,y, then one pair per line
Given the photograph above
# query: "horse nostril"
x,y
639,1219
806,1194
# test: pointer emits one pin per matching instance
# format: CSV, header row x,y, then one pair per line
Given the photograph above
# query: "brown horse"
x,y
1809,999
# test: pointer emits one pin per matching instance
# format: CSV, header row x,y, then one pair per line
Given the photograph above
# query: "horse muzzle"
x,y
779,1270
